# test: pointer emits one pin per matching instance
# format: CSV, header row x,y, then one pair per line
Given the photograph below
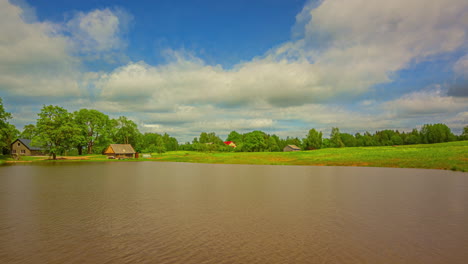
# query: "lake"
x,y
150,212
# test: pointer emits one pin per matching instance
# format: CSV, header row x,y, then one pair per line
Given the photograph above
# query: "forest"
x,y
86,131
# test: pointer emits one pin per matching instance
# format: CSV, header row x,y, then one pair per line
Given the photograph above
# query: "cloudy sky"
x,y
280,66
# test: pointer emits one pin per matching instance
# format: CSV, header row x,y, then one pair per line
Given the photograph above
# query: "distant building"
x,y
230,143
120,151
23,147
291,148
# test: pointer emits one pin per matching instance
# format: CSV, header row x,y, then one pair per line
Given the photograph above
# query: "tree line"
x,y
58,131
258,141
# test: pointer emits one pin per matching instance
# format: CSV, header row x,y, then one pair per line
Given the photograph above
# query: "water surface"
x,y
148,212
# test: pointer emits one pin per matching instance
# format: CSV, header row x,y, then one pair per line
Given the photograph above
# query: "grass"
x,y
445,156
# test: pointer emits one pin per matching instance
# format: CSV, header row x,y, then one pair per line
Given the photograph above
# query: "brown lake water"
x,y
149,212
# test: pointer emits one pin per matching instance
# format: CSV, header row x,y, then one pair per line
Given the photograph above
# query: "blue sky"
x,y
281,66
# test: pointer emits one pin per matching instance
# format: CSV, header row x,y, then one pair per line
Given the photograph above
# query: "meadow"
x,y
444,156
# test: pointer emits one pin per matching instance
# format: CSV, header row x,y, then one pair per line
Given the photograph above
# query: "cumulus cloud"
x,y
339,51
366,43
34,58
40,58
426,102
363,43
98,30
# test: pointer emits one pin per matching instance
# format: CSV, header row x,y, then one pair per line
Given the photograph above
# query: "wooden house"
x,y
120,151
23,147
291,148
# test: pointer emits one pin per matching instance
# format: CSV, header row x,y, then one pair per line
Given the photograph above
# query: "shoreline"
x,y
442,156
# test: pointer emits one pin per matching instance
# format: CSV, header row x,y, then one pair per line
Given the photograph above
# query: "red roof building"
x,y
230,143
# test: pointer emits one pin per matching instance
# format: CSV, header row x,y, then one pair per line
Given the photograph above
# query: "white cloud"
x,y
98,30
34,58
426,102
340,50
460,120
39,58
192,82
363,44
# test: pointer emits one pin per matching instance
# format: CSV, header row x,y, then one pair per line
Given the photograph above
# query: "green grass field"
x,y
445,156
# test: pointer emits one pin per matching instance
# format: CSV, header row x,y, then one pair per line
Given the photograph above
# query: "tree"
x,y
235,137
170,143
436,133
210,142
397,140
255,141
94,126
159,144
126,131
335,139
464,135
313,140
348,140
414,137
272,145
57,131
8,132
29,132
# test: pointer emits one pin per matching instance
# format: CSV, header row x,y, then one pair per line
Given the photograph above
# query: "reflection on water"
x,y
147,212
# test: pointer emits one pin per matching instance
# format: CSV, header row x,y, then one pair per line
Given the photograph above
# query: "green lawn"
x,y
446,156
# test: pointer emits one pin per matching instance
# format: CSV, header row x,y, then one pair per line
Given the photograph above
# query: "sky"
x,y
281,66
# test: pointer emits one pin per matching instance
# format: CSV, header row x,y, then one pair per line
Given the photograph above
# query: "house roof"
x,y
230,143
122,148
294,147
27,143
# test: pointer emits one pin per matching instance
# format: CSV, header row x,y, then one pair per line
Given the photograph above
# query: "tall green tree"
x,y
126,131
464,135
313,140
272,144
335,138
94,127
170,143
436,133
235,137
348,140
57,132
159,145
413,138
29,132
255,141
8,132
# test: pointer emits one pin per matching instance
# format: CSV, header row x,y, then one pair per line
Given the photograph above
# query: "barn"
x,y
291,148
120,151
23,147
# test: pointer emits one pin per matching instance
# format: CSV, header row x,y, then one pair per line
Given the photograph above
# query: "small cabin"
x,y
23,147
291,148
120,151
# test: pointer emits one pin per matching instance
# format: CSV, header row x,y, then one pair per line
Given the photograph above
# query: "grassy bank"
x,y
446,156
